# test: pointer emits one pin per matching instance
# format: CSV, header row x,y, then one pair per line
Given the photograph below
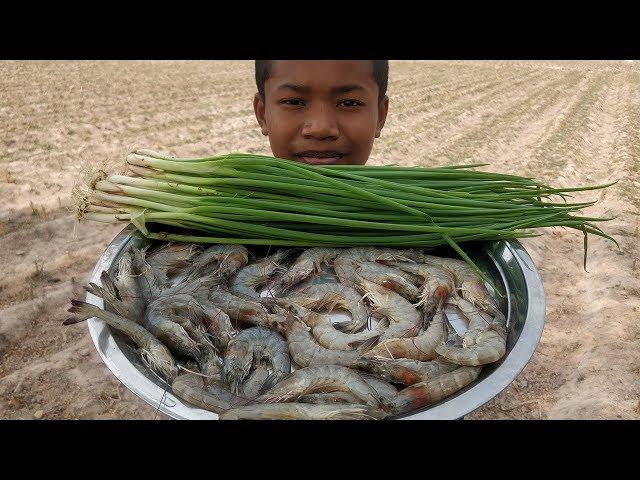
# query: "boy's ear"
x,y
258,108
383,108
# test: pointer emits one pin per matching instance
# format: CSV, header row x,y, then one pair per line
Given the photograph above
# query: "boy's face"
x,y
321,112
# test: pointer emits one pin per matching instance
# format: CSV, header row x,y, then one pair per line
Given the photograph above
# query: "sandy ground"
x,y
568,123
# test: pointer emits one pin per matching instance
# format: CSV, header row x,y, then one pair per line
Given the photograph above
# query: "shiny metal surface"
x,y
506,263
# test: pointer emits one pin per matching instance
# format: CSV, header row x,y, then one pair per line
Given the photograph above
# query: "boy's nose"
x,y
321,125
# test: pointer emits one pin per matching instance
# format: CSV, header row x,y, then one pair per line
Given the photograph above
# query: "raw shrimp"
x,y
389,277
257,345
216,322
245,282
202,313
244,310
479,321
239,309
205,394
471,286
198,287
128,287
384,389
155,354
326,335
230,258
150,285
405,371
425,393
160,320
172,258
421,347
310,261
211,364
490,346
437,284
329,398
404,319
329,296
321,378
303,411
255,384
109,293
346,264
306,351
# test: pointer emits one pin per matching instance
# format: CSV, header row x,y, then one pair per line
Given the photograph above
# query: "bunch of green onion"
x,y
261,200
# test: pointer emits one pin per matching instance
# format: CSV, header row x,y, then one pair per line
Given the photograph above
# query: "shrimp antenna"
x,y
193,372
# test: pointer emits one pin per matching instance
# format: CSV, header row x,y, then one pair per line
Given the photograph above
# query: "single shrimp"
x,y
205,394
479,321
421,347
245,282
245,310
150,282
172,258
303,411
329,398
490,346
256,345
388,277
229,259
385,390
305,351
404,319
330,296
238,309
426,393
326,335
160,320
216,322
321,378
437,284
346,264
126,283
310,261
211,364
255,383
468,282
405,371
155,354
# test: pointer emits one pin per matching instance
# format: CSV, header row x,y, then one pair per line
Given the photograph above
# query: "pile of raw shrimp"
x,y
257,339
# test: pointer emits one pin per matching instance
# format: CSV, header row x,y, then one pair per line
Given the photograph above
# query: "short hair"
x,y
380,75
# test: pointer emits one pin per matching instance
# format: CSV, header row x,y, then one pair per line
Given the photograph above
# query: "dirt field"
x,y
568,123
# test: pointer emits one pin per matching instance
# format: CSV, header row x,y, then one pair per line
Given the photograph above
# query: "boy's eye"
x,y
350,103
292,101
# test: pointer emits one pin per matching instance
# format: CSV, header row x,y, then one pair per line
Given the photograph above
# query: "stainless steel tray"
x,y
506,262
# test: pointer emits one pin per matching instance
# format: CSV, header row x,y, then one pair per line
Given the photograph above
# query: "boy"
x,y
321,112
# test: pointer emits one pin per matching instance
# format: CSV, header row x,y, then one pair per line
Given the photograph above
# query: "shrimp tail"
x,y
268,384
72,320
363,345
108,285
80,307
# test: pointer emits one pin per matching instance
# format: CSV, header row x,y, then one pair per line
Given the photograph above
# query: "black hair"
x,y
380,75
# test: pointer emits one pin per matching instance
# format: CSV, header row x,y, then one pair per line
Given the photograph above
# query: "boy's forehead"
x,y
322,74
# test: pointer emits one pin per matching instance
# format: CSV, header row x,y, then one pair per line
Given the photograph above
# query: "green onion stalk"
x,y
260,200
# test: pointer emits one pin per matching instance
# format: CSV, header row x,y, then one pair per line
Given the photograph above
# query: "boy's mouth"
x,y
320,157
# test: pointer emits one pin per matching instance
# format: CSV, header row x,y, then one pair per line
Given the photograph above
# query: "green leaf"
x,y
138,219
